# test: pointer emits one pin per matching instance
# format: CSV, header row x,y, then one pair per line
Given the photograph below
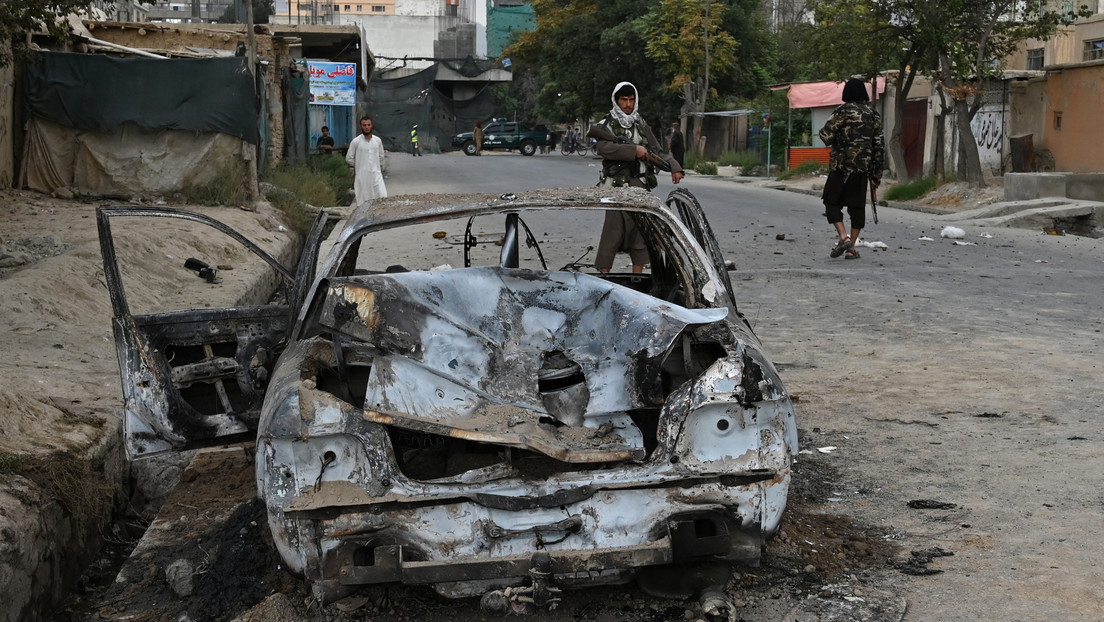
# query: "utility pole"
x,y
705,91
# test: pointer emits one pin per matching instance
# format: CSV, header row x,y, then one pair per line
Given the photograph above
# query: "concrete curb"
x,y
926,209
1029,214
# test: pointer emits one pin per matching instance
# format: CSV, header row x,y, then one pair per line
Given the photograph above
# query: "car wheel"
x,y
528,148
469,148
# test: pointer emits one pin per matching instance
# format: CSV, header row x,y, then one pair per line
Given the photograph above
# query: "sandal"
x,y
843,246
852,254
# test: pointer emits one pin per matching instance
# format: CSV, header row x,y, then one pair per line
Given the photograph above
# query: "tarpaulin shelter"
x,y
820,94
101,125
395,104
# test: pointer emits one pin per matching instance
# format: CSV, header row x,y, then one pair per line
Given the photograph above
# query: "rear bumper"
x,y
464,549
389,566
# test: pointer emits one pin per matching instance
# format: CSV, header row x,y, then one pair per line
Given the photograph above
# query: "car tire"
x,y
469,148
528,148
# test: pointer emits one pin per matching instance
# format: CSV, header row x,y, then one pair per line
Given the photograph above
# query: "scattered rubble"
x,y
23,251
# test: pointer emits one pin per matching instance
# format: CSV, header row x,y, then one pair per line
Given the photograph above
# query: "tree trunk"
x,y
252,184
893,145
896,150
691,92
700,144
968,152
939,162
969,162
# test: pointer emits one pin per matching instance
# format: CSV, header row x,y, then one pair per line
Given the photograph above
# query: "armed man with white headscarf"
x,y
626,162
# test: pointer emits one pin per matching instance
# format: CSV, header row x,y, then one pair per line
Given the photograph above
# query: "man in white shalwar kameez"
x,y
365,155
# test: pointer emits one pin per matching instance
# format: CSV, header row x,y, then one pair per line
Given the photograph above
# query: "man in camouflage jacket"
x,y
854,132
625,163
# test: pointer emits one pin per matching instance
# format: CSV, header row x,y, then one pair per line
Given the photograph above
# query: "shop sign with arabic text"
x,y
332,84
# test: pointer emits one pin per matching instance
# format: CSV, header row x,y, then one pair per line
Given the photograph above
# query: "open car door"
x,y
197,376
686,207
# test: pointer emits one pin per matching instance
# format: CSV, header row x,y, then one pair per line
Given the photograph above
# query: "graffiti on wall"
x,y
988,130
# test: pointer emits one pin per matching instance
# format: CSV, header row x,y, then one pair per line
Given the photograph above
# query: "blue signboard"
x,y
332,84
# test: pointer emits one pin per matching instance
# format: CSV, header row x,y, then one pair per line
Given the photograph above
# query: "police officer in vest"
x,y
625,163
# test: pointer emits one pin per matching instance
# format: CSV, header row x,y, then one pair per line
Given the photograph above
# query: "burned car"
x,y
454,398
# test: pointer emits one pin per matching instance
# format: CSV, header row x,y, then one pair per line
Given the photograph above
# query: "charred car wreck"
x,y
499,429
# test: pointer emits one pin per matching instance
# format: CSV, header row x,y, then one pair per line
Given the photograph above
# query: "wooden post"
x,y
254,185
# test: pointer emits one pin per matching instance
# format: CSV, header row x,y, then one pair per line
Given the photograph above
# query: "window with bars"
x,y
379,8
1094,50
1035,59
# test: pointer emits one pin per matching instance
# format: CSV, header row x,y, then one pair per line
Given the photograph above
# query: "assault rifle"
x,y
598,132
874,199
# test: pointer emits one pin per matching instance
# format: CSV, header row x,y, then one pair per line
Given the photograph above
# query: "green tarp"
x,y
101,93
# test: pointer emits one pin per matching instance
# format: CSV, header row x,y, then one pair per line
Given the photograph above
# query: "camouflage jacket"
x,y
854,132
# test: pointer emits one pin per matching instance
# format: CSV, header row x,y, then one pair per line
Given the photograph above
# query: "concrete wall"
x,y
1027,186
988,127
399,36
419,8
1027,110
1072,117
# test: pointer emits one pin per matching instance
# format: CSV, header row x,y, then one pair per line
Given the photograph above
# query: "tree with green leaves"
x,y
581,48
972,39
687,40
864,38
19,18
958,44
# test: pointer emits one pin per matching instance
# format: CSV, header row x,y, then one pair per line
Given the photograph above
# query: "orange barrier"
x,y
798,155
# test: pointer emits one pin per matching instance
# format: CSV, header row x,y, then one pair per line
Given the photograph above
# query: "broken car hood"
x,y
488,354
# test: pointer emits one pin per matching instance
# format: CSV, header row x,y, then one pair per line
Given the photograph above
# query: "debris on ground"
x,y
917,562
930,504
875,245
23,251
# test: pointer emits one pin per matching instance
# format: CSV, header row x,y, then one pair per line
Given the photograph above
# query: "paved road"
x,y
969,374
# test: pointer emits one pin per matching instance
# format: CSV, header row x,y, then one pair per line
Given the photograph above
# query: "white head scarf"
x,y
626,120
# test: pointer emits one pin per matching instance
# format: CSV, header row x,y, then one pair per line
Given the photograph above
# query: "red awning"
x,y
817,94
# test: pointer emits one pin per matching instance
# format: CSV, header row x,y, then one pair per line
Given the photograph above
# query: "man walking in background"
x,y
366,157
854,132
477,138
414,141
